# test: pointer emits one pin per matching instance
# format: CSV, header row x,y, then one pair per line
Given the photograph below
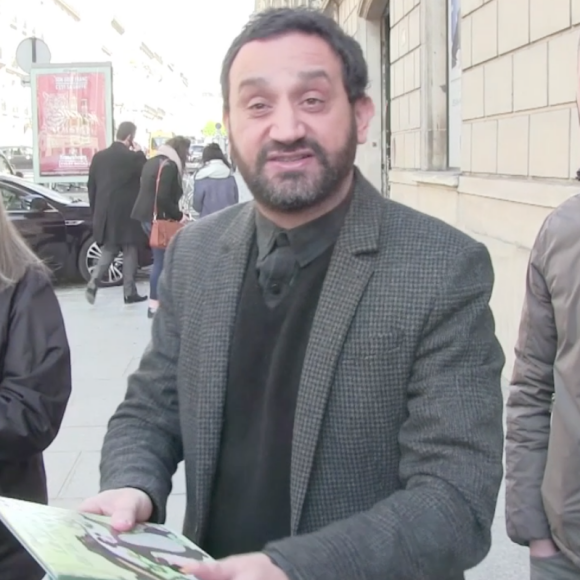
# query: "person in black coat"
x,y
167,167
113,186
35,384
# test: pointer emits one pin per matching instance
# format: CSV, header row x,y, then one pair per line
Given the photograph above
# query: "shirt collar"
x,y
308,241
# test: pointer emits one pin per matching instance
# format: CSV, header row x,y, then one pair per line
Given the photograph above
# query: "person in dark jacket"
x,y
215,186
113,186
167,166
35,384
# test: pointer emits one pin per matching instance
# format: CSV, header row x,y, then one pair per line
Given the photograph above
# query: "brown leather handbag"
x,y
162,230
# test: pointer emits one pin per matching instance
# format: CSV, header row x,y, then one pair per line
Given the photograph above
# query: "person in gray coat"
x,y
215,186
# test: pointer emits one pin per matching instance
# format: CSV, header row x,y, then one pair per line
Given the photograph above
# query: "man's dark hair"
x,y
280,21
125,130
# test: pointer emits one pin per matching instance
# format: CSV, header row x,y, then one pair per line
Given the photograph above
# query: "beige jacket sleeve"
x,y
529,407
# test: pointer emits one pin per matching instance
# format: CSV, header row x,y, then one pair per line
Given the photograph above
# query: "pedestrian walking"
x,y
35,384
113,186
543,417
160,193
215,187
323,359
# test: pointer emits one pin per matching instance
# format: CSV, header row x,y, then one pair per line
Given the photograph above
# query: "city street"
x,y
107,341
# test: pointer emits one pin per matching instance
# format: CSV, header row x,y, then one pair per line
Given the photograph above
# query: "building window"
x,y
454,82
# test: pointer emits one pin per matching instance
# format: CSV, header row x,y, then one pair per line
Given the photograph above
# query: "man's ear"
x,y
364,111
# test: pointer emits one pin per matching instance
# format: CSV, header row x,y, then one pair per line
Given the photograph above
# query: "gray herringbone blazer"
x,y
397,450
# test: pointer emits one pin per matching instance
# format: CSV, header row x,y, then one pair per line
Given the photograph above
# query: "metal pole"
x,y
33,50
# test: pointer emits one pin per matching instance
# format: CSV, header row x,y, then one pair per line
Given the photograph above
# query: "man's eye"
x,y
312,101
257,106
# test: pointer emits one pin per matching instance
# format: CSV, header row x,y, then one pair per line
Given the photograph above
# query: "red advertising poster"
x,y
72,120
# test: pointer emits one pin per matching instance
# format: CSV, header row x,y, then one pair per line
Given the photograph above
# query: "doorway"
x,y
386,99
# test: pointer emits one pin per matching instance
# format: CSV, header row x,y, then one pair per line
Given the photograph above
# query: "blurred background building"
x,y
149,88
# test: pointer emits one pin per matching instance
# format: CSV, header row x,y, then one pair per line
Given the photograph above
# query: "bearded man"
x,y
323,359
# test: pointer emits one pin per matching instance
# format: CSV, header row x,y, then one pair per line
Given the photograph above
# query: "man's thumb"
x,y
124,520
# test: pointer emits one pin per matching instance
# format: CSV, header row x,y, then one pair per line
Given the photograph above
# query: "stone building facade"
x,y
477,119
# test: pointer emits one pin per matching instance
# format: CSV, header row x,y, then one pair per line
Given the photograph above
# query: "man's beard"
x,y
294,191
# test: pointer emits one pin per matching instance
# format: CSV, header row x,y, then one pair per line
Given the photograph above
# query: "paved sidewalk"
x,y
107,341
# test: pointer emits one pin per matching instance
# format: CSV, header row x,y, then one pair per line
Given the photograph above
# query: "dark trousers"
x,y
130,264
157,268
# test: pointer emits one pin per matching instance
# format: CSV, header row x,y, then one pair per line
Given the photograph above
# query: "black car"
x,y
20,157
6,167
59,230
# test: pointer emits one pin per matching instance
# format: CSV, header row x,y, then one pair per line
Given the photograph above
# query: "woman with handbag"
x,y
157,205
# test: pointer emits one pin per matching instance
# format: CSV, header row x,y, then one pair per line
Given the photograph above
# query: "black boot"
x,y
135,299
91,294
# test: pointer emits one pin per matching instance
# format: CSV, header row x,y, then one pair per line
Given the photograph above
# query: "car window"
x,y
5,168
12,200
21,151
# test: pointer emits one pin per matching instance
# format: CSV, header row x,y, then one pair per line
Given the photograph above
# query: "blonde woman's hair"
x,y
16,258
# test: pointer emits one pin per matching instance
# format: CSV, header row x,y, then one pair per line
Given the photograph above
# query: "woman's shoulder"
x,y
157,160
35,280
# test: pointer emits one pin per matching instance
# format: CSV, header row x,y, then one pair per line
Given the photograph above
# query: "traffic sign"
x,y
32,51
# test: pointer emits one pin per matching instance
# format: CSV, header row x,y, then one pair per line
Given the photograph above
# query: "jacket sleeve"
x,y
529,408
36,379
92,183
168,184
139,160
198,195
143,447
438,525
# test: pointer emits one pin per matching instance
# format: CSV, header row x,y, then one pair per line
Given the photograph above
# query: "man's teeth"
x,y
293,158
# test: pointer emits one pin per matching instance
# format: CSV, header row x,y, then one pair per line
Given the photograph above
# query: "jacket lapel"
x,y
220,304
349,272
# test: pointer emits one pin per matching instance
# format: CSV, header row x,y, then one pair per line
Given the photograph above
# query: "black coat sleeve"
x,y
92,183
139,161
170,191
35,384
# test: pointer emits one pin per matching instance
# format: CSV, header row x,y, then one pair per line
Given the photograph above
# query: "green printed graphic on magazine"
x,y
74,546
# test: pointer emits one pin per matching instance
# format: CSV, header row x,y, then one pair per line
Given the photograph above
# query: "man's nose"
x,y
287,127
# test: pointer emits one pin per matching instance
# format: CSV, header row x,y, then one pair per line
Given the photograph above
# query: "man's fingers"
x,y
208,571
92,506
125,507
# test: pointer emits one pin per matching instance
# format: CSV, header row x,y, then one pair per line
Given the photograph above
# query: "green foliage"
x,y
210,129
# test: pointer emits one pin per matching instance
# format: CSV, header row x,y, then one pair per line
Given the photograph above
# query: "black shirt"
x,y
250,503
282,253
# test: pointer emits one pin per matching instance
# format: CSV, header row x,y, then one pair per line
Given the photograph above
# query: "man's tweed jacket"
x,y
397,449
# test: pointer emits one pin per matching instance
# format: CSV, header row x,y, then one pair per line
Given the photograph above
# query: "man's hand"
x,y
136,147
126,507
249,567
543,549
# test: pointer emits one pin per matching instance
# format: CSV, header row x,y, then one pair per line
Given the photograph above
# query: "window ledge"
x,y
449,178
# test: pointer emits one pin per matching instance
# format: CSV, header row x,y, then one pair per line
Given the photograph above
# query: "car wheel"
x,y
88,260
